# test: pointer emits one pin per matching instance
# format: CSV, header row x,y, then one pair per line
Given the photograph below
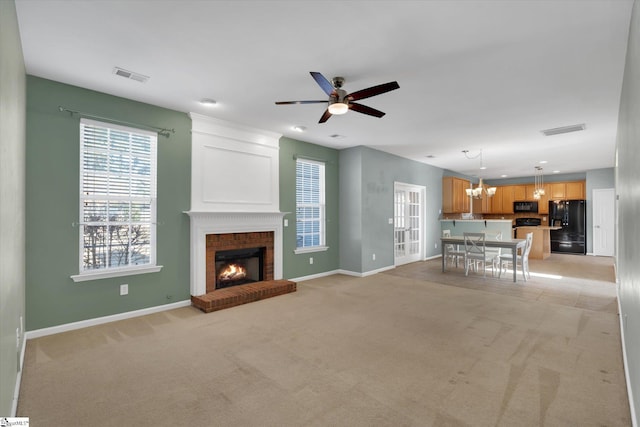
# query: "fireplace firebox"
x,y
239,266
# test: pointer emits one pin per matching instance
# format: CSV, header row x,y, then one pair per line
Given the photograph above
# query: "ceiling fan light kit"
x,y
340,101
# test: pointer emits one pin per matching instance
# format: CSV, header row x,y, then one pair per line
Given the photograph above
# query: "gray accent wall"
x,y
627,184
52,197
596,179
12,204
366,204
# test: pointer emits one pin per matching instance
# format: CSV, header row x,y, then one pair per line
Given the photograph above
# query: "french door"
x,y
408,223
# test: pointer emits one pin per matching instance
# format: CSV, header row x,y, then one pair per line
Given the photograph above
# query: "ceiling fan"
x,y
340,101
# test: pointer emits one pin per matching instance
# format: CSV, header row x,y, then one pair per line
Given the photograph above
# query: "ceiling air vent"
x,y
564,129
130,75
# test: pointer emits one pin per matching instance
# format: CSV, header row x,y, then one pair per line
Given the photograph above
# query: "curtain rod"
x,y
161,131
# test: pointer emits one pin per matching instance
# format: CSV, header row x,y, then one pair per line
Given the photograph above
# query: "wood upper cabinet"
x,y
508,192
520,193
558,190
570,190
575,190
528,194
496,201
543,203
454,195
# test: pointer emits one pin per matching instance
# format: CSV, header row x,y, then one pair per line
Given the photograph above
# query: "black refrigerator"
x,y
571,215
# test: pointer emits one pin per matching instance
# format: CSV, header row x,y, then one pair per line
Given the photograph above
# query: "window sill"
x,y
107,274
309,250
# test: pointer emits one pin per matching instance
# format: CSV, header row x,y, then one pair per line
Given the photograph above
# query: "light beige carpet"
x,y
394,349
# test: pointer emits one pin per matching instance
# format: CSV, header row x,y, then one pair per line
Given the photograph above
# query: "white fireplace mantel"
x,y
203,223
234,188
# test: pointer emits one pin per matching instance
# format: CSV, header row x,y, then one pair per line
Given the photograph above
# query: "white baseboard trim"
x,y
634,420
433,257
366,273
16,391
315,276
101,320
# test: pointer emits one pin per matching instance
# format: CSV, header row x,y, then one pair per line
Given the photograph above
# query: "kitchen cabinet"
x,y
520,193
529,189
558,190
483,205
543,202
507,199
575,190
496,201
570,190
454,195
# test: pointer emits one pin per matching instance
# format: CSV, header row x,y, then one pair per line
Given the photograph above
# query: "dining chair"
x,y
521,259
493,254
475,252
452,251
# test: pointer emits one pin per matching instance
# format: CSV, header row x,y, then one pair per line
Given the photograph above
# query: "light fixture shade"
x,y
469,192
338,108
491,191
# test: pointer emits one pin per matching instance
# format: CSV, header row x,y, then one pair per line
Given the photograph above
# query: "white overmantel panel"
x,y
234,168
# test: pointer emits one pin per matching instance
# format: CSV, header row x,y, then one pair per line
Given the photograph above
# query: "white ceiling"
x,y
474,75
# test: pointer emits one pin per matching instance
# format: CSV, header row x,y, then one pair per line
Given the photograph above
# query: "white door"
x,y
408,223
603,221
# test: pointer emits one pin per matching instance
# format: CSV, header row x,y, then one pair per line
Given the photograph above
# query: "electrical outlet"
x,y
435,245
391,221
286,222
373,257
310,260
124,289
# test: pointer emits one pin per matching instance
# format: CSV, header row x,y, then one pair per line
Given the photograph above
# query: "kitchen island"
x,y
541,244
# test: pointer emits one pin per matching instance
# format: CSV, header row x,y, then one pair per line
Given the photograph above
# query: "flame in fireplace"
x,y
233,272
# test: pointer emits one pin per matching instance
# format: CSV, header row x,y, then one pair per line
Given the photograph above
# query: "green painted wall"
x,y
52,298
295,266
12,203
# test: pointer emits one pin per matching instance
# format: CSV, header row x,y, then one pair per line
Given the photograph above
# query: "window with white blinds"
x,y
117,197
310,204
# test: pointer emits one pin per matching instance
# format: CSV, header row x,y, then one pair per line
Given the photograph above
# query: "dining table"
x,y
513,244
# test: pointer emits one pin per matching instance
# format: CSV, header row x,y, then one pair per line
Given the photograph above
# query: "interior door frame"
x,y
611,220
422,190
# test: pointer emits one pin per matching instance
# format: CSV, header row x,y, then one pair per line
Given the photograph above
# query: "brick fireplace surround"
x,y
228,241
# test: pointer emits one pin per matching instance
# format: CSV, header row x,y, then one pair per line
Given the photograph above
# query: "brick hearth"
x,y
242,294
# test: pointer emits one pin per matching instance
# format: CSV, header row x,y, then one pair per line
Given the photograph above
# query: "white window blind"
x,y
117,197
310,204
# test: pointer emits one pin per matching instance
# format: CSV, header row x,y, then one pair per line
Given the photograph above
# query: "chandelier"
x,y
538,187
477,192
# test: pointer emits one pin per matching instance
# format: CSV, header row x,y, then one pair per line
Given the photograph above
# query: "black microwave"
x,y
525,207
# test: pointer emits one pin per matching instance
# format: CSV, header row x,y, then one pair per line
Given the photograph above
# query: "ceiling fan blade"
x,y
325,116
300,102
373,91
325,84
365,110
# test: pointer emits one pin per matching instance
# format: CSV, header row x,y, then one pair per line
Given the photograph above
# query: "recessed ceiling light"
x,y
556,171
208,102
483,167
299,128
503,176
543,162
